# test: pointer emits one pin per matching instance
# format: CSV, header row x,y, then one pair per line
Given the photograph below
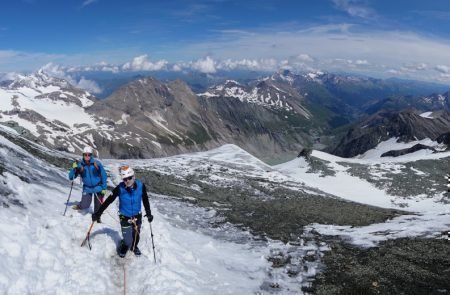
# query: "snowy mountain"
x,y
273,117
340,99
434,102
227,223
50,111
353,90
265,92
405,126
146,118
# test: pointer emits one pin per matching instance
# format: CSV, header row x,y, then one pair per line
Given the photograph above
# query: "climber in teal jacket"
x,y
94,180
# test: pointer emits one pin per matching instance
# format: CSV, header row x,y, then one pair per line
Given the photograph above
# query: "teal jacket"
x,y
93,175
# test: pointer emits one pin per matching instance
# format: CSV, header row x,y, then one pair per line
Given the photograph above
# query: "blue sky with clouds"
x,y
407,39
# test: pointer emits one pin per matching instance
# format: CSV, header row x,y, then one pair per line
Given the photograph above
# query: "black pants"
x,y
131,229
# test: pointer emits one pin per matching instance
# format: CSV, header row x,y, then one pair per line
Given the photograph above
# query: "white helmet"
x,y
126,171
87,150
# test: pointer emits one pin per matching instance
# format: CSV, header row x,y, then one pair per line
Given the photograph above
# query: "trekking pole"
x,y
153,244
151,231
87,239
67,202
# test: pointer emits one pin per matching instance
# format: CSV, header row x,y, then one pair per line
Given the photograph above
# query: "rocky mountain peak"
x,y
35,80
406,126
266,92
436,101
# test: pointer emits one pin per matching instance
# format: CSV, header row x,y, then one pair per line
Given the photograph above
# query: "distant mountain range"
x,y
271,116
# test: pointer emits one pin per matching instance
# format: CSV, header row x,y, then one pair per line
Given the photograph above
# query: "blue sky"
x,y
407,39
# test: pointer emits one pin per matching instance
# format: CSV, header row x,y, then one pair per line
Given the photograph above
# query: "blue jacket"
x,y
94,180
129,199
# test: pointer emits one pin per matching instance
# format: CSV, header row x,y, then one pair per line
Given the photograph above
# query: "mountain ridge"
x,y
274,116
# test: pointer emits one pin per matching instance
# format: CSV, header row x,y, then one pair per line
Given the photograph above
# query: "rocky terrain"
x,y
257,198
318,225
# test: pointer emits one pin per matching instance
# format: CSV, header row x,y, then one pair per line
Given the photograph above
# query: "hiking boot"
x,y
137,252
76,207
123,250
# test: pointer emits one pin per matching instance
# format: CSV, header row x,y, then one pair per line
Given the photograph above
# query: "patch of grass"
x,y
168,140
199,135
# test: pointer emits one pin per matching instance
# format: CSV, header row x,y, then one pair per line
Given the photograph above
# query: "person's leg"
x,y
127,231
136,234
86,199
98,201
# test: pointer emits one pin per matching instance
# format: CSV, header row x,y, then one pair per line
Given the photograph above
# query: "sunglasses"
x,y
127,178
87,154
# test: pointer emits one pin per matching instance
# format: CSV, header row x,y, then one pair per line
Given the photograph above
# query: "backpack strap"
x,y
96,166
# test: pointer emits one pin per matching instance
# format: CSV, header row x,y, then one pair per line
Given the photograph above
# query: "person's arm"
x,y
74,170
96,216
146,203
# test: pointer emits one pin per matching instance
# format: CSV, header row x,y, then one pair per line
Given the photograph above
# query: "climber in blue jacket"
x,y
131,193
94,178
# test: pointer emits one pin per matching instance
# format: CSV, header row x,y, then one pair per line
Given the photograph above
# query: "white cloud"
x,y
249,64
12,60
361,62
6,54
141,63
101,67
61,72
177,68
355,8
442,69
55,70
415,66
392,71
338,47
88,2
305,57
361,50
205,65
89,85
9,76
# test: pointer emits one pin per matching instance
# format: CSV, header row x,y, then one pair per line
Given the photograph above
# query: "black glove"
x,y
149,217
95,217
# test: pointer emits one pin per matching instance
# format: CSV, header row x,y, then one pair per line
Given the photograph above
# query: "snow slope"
x,y
430,217
41,251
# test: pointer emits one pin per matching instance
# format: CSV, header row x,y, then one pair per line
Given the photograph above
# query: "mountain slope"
x,y
41,250
147,118
197,200
49,110
169,118
406,126
434,102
